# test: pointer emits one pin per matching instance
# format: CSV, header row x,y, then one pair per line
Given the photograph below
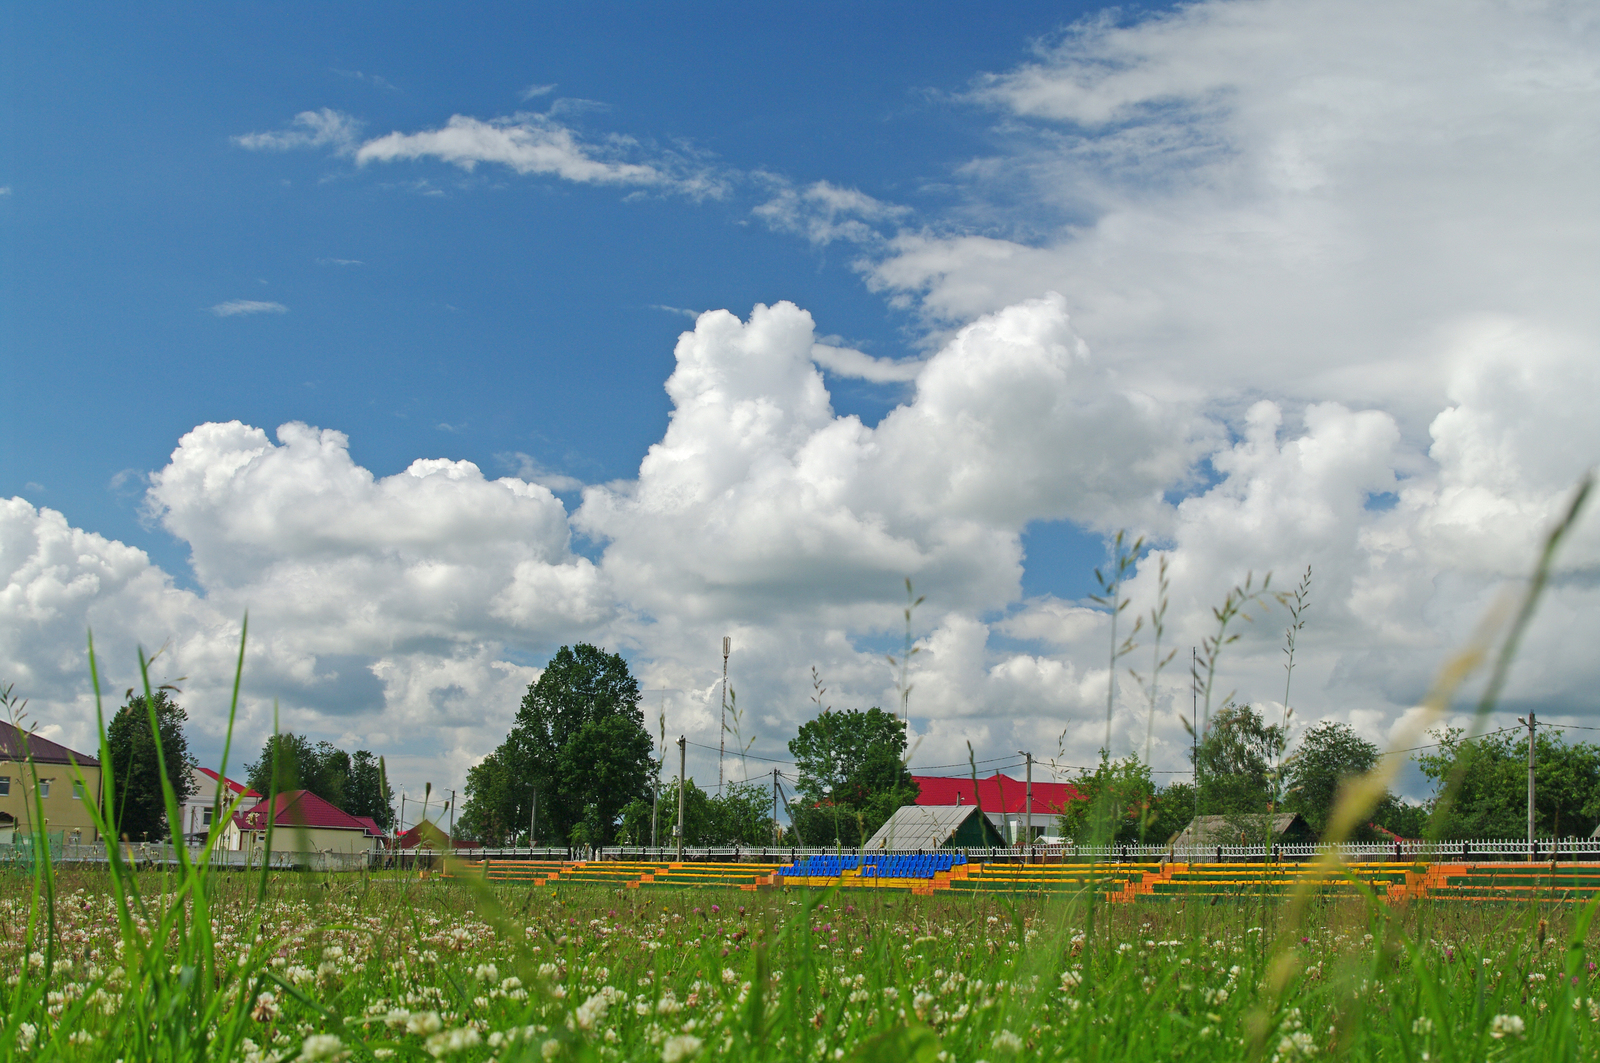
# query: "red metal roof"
x,y
236,787
372,826
298,808
40,750
999,793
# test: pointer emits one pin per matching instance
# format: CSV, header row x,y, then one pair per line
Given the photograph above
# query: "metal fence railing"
x,y
1482,850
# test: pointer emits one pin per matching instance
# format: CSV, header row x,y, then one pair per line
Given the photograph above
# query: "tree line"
x,y
579,767
351,782
1242,771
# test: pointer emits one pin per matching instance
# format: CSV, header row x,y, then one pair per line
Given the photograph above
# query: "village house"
x,y
199,806
24,757
305,823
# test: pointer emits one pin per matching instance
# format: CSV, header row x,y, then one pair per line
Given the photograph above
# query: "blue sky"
x,y
1272,284
483,316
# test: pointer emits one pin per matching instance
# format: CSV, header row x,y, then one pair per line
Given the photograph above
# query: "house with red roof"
x,y
429,835
200,805
303,822
1004,800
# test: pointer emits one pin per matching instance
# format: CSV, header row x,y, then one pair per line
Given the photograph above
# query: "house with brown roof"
x,y
304,823
26,758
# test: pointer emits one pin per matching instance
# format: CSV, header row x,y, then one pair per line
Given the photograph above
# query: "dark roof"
x,y
1000,793
40,750
298,808
1225,830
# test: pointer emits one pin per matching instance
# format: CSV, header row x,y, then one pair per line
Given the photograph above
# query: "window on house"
x,y
5,786
206,814
44,787
77,790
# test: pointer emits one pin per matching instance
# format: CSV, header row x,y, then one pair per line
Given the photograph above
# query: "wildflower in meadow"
x,y
681,1047
1506,1026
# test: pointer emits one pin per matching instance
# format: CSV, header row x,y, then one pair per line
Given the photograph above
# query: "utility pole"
x,y
722,740
1530,723
775,838
683,752
402,812
452,817
1194,738
533,819
1028,813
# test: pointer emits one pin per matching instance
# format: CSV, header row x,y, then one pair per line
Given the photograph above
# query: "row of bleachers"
x,y
881,866
873,865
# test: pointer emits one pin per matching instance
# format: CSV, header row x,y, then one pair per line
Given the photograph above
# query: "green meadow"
x,y
302,966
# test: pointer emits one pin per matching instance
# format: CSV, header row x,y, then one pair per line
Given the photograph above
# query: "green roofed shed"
x,y
936,827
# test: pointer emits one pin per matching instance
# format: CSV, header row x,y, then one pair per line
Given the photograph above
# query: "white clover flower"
x,y
486,972
1006,1041
320,1046
728,977
550,1049
1502,1025
668,1004
80,1037
449,1042
1297,1045
266,1008
681,1047
424,1022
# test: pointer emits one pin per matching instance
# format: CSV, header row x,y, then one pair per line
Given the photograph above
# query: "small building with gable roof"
x,y
305,823
936,827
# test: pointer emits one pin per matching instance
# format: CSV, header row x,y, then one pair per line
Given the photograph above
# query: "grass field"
x,y
306,967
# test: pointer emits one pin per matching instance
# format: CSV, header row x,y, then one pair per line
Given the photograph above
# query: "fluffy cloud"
x,y
1308,296
849,362
394,611
1287,198
824,212
527,143
326,128
760,495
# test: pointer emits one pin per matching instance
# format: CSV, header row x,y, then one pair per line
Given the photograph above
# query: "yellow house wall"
x,y
62,810
290,839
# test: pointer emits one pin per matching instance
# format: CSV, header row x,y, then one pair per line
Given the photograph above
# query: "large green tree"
x,y
1491,800
353,783
851,775
1117,804
139,811
368,790
578,746
1236,758
1328,755
489,801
